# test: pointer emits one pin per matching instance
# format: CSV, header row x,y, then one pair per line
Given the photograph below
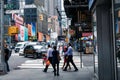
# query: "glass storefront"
x,y
95,44
117,34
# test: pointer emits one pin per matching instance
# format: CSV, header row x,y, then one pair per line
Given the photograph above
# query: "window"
x,y
29,1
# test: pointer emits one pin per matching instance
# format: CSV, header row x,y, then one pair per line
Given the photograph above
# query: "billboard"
x,y
18,22
33,29
23,36
29,30
40,36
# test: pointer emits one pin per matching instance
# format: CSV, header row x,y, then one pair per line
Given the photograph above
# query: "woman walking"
x,y
65,57
55,61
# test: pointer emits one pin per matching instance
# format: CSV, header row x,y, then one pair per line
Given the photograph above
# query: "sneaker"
x,y
64,69
44,71
57,74
54,74
76,70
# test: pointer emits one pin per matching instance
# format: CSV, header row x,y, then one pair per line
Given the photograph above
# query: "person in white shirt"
x,y
49,57
70,58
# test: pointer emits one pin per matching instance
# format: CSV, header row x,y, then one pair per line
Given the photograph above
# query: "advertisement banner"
x,y
22,33
40,36
29,30
25,34
33,29
18,22
17,19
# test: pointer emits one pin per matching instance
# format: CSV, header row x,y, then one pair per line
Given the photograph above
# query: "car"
x,y
34,50
21,51
20,45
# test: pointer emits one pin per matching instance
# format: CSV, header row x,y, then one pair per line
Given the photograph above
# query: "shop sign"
x,y
86,34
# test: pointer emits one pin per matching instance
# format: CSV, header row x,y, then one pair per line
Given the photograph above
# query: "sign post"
x,y
2,62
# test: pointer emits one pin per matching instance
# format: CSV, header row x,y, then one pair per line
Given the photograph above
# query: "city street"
x,y
87,31
20,62
31,69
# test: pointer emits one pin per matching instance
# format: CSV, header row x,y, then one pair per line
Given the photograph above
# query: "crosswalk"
x,y
38,63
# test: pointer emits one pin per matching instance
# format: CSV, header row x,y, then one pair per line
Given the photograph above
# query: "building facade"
x,y
105,20
105,28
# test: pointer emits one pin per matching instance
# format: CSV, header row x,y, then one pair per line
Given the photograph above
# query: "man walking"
x,y
70,58
49,57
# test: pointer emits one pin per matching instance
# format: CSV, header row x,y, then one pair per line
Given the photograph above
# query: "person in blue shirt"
x,y
49,57
70,58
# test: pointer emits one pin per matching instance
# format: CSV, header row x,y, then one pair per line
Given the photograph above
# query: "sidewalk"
x,y
38,74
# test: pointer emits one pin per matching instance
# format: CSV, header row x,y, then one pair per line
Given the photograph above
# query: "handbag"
x,y
58,56
48,62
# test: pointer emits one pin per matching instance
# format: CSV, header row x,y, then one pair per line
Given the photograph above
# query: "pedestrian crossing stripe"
x,y
38,63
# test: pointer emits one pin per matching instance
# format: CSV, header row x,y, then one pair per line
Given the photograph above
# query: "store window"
x,y
95,44
117,34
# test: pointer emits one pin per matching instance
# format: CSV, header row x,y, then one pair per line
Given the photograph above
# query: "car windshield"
x,y
18,45
37,47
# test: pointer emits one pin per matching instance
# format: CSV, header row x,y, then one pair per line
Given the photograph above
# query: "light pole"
x,y
3,69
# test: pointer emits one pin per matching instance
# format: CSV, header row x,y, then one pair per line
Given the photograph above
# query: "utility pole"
x,y
3,69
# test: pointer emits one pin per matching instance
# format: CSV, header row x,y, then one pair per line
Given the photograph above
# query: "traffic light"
x,y
41,17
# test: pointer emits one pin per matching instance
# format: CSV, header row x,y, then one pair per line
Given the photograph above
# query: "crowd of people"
x,y
53,58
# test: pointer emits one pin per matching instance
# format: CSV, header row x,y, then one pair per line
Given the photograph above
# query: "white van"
x,y
20,45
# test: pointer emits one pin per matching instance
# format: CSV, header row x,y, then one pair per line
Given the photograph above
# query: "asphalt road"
x,y
16,60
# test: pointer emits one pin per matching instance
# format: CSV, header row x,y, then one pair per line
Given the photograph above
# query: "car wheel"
x,y
25,55
19,54
40,55
35,56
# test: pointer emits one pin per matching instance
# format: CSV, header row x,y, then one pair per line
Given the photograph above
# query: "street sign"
x,y
12,30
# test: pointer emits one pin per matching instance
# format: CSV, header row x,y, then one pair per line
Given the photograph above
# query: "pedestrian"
x,y
65,57
49,57
70,58
44,57
61,49
55,61
7,56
